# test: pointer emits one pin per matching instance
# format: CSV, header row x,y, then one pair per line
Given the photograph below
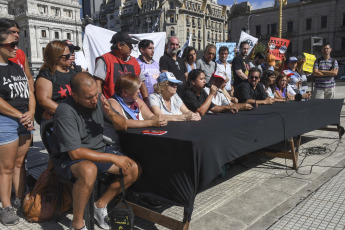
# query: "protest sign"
x,y
278,47
248,38
309,62
231,46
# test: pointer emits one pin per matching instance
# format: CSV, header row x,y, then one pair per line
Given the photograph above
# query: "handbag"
x,y
122,216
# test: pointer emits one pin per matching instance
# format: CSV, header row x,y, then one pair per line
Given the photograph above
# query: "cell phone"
x,y
154,132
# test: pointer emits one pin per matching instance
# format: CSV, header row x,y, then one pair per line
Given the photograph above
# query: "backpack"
x,y
122,216
41,203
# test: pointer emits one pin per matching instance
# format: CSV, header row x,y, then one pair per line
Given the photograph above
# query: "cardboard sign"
x,y
250,39
308,65
231,46
278,47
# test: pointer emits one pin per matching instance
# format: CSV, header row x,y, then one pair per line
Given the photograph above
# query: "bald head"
x,y
81,80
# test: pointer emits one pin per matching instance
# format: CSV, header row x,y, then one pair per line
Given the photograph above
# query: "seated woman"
x,y
281,91
166,103
197,100
189,56
52,85
126,100
218,79
17,109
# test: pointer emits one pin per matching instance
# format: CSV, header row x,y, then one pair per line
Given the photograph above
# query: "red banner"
x,y
278,47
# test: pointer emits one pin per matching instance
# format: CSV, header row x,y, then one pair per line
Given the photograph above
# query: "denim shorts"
x,y
11,129
63,165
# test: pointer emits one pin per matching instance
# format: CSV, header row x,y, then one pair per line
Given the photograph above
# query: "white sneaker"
x,y
83,228
101,215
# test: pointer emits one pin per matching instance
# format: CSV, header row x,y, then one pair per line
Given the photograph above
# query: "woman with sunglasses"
x,y
52,83
166,103
17,108
126,100
189,56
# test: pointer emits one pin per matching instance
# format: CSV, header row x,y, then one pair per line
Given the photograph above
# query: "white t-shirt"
x,y
175,104
219,99
226,69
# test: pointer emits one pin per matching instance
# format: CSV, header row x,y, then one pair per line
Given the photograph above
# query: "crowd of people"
x,y
126,92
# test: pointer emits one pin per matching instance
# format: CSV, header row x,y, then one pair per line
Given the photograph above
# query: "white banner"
x,y
97,42
80,60
250,39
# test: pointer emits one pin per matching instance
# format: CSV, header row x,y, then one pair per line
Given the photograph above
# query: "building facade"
x,y
205,20
44,21
302,20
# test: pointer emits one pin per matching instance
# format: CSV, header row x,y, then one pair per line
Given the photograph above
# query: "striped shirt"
x,y
328,65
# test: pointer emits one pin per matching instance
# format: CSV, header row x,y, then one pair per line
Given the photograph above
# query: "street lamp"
x,y
248,22
148,20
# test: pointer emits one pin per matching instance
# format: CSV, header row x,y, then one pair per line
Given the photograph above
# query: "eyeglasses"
x,y
177,65
254,77
172,84
10,46
66,56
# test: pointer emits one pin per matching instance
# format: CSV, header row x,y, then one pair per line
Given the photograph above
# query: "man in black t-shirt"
x,y
251,91
170,62
240,65
79,152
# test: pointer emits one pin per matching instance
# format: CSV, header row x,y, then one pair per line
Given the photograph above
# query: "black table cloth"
x,y
179,164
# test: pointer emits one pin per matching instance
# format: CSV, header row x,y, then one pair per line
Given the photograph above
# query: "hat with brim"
x,y
123,37
72,47
218,74
168,76
293,59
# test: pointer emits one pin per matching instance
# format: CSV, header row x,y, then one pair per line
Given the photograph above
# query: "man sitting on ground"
x,y
79,152
253,92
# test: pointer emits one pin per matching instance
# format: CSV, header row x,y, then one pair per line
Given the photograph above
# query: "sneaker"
x,y
8,216
83,228
101,215
18,204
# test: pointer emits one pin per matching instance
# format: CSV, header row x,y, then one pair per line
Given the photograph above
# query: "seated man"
x,y
79,152
218,79
253,92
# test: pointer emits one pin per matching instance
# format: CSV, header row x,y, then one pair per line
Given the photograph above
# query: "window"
x,y
290,26
208,35
57,35
57,11
188,21
25,33
199,22
220,38
273,28
289,49
193,21
268,28
188,33
43,34
172,31
199,46
199,34
343,43
172,18
258,30
193,33
68,36
171,4
323,22
193,44
43,49
308,24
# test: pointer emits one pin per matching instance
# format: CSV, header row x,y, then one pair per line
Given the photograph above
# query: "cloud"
x,y
259,5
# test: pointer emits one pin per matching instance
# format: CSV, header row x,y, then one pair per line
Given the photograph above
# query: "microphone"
x,y
208,85
298,97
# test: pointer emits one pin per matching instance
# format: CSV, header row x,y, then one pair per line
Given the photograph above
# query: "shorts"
x,y
11,129
63,166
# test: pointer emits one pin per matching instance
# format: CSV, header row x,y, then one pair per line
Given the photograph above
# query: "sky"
x,y
256,4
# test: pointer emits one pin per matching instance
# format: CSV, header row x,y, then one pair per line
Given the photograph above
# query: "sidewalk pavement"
x,y
264,193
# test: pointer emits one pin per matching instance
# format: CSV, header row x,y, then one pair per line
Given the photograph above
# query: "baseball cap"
x,y
293,59
122,37
219,75
271,60
72,47
168,76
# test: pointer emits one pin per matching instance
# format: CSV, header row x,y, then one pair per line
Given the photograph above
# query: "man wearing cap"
x,y
149,67
218,79
240,65
118,61
170,62
325,69
252,91
205,63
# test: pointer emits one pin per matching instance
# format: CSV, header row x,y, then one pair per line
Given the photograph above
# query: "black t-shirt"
x,y
77,127
239,64
14,87
193,102
245,92
178,68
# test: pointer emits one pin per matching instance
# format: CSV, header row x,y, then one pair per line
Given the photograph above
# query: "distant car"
x,y
342,78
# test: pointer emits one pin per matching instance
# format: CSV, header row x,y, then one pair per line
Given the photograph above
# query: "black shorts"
x,y
63,166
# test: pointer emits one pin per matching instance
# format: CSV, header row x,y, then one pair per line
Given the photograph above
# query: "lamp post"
x,y
281,3
248,25
148,20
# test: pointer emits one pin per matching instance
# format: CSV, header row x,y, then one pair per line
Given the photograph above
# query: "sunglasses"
x,y
66,56
254,77
177,65
172,84
10,45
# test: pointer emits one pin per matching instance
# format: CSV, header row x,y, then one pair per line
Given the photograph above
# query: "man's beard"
x,y
173,51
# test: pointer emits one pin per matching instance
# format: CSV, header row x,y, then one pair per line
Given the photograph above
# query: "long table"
x,y
180,163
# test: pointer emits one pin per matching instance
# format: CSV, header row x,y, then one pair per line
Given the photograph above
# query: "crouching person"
x,y
79,152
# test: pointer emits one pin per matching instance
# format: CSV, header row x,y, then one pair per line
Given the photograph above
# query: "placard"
x,y
231,46
250,39
278,47
308,65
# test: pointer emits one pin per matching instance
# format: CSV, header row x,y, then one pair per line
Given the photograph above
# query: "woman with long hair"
x,y
281,92
189,56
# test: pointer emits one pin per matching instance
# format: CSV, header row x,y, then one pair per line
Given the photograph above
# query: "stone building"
x,y
204,19
302,20
43,21
4,10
